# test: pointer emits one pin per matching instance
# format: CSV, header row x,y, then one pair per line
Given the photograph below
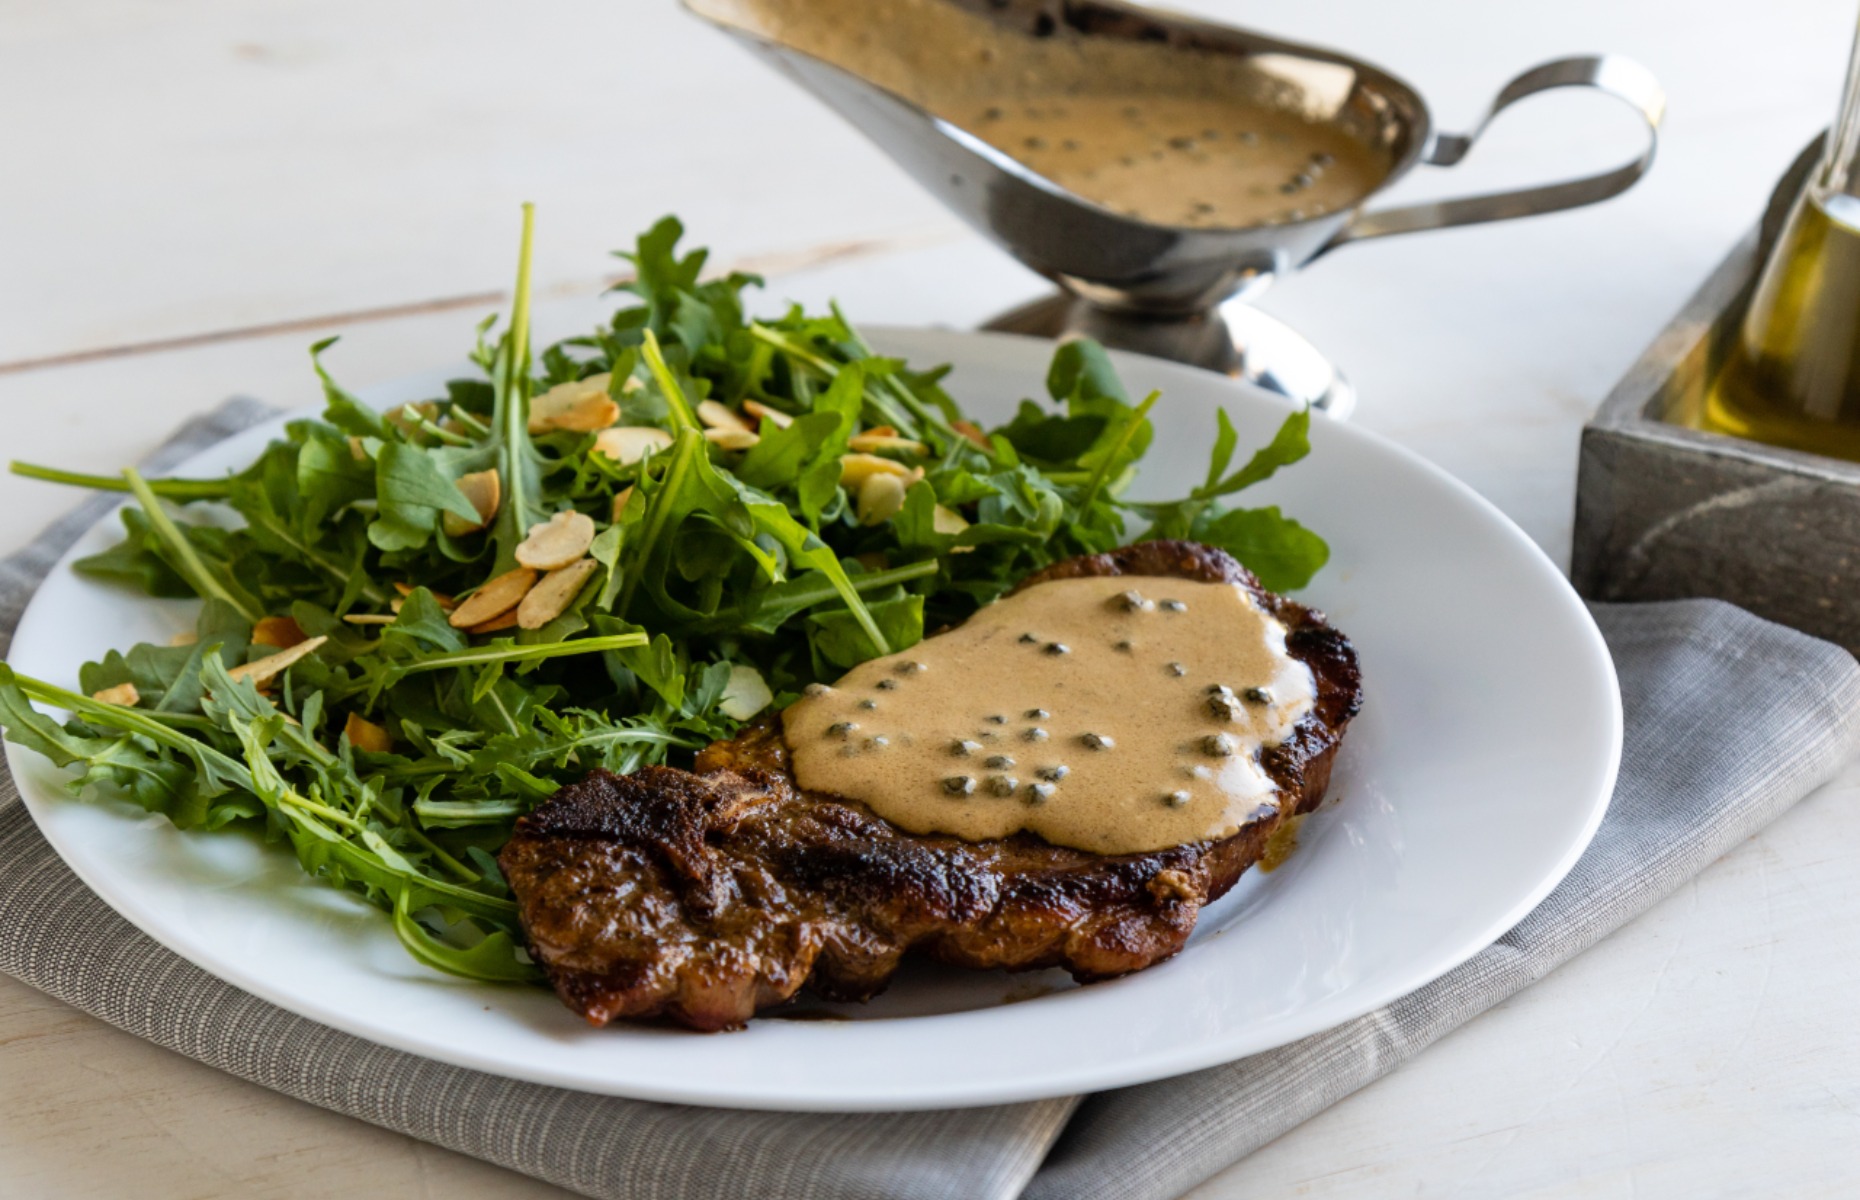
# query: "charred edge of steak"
x,y
705,897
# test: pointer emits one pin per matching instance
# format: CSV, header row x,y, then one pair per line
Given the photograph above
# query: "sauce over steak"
x,y
707,896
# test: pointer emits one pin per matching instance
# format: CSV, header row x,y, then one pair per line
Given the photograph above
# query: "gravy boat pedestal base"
x,y
1234,339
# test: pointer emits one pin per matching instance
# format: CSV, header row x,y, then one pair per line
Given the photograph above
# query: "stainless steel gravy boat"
x,y
1175,291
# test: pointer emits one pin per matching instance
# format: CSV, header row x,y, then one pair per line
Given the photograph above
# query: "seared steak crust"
x,y
707,896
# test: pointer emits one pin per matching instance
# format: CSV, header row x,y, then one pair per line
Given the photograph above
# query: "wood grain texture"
x,y
201,167
96,1114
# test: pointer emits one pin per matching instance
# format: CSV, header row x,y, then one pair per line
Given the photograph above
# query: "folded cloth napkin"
x,y
1730,720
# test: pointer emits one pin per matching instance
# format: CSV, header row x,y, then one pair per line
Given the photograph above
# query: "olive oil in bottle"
x,y
1792,375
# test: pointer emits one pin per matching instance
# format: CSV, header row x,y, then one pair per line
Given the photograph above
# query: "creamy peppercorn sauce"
x,y
1114,714
1195,161
1166,134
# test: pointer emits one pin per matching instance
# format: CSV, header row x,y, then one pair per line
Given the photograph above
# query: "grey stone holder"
x,y
1667,512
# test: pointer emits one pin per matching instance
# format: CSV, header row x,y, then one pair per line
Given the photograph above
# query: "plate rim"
x,y
1079,1076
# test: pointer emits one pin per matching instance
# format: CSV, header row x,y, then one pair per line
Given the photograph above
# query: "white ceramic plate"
x,y
1478,771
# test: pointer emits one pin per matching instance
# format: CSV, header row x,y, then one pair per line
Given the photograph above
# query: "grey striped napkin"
x,y
1698,776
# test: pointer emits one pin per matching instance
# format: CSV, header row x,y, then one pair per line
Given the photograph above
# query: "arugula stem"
x,y
187,561
426,426
815,591
510,383
899,420
478,811
925,413
516,368
659,505
470,422
181,720
329,814
503,712
870,581
683,417
495,654
451,864
173,489
1123,439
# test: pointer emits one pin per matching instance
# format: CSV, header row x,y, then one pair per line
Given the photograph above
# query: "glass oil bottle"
x,y
1791,377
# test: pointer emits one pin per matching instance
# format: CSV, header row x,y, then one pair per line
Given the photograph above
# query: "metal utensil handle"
x,y
1622,78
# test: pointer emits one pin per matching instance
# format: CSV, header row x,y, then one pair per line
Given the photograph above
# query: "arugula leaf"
x,y
136,561
343,410
413,490
1081,370
493,960
1280,551
843,642
781,454
1291,443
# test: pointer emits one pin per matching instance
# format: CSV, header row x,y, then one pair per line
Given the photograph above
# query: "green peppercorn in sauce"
x,y
1195,161
988,730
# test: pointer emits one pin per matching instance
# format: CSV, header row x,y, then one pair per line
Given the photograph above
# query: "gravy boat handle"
x,y
1622,78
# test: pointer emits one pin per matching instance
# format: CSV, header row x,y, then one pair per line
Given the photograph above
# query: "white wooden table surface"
x,y
195,190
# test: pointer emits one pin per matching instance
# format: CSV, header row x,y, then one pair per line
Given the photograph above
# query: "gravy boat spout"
x,y
1156,167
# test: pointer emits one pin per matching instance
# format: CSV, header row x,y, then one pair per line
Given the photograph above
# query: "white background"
x,y
195,190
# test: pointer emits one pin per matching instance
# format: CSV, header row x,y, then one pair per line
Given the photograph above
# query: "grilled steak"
x,y
707,896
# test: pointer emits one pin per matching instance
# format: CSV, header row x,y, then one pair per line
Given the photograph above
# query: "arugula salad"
x,y
606,554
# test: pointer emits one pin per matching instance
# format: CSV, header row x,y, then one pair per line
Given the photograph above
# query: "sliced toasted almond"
x,y
495,598
947,521
745,695
881,497
184,638
264,670
630,443
282,632
496,624
620,500
581,406
558,541
763,412
973,432
551,598
855,469
883,431
124,694
731,439
366,735
368,618
484,492
872,443
717,415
